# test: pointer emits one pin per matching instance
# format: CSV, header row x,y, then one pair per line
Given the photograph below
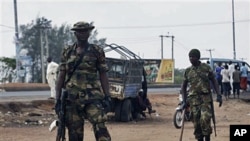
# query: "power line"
x,y
177,25
7,26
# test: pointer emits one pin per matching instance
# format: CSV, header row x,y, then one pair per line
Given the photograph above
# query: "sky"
x,y
138,24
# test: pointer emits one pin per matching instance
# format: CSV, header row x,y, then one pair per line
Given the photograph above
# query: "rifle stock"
x,y
61,116
213,115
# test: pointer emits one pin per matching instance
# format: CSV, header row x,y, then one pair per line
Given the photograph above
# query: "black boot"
x,y
207,138
201,139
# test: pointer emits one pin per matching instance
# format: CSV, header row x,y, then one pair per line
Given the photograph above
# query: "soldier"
x,y
198,76
51,76
82,83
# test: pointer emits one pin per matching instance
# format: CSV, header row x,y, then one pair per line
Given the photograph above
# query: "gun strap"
x,y
76,65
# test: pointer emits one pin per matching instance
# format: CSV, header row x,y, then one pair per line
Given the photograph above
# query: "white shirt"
x,y
51,70
225,75
231,69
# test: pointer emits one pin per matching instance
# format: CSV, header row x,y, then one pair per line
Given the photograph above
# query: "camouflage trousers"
x,y
77,111
201,112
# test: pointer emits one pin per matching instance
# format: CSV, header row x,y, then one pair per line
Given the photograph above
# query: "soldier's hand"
x,y
107,102
219,99
58,106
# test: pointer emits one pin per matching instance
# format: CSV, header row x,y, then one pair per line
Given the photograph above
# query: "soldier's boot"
x,y
207,138
200,139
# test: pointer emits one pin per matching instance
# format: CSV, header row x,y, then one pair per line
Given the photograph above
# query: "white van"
x,y
214,62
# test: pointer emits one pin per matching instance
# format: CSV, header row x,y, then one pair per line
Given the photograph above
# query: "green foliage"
x,y
7,67
178,75
9,62
33,37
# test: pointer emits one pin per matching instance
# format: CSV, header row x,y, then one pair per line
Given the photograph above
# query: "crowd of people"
x,y
232,78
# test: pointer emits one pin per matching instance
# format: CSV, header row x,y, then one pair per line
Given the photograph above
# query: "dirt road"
x,y
155,128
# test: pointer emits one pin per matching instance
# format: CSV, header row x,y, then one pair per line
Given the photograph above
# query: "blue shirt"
x,y
217,71
243,70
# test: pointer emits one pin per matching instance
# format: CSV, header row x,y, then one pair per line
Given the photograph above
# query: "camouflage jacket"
x,y
198,79
84,79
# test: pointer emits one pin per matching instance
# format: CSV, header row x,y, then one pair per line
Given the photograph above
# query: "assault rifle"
x,y
213,115
61,116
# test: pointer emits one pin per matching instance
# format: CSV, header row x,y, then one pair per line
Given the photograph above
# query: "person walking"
x,y
219,77
198,76
231,70
236,81
243,77
51,76
82,73
226,81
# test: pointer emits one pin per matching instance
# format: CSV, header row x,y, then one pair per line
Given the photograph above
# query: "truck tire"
x,y
118,106
126,110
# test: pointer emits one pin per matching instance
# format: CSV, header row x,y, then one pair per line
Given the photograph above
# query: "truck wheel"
x,y
118,106
126,111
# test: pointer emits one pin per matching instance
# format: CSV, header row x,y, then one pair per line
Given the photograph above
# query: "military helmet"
x,y
82,26
195,52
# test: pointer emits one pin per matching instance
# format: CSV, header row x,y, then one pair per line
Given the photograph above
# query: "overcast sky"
x,y
137,24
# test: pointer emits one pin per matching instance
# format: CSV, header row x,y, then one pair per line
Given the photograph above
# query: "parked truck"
x,y
126,76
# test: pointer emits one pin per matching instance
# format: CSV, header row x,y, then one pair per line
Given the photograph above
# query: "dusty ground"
x,y
29,121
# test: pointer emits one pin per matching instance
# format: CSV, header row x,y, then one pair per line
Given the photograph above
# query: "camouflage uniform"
x,y
85,96
199,98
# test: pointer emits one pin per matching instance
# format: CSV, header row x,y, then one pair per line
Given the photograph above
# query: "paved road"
x,y
42,95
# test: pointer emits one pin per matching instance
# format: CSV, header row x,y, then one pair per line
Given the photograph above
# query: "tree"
x,y
7,67
178,78
33,38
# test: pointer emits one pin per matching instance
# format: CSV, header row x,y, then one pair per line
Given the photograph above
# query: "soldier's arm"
x,y
214,82
104,82
62,73
184,90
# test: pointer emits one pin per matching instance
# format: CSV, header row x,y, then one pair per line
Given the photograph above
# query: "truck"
x,y
126,78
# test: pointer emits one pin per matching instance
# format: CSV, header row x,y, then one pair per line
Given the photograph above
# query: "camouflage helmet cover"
x,y
82,26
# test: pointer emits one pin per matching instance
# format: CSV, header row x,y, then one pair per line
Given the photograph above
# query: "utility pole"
x,y
210,52
42,55
234,52
16,42
172,37
43,27
161,46
167,36
46,43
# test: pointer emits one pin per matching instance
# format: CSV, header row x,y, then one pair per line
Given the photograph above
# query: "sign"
x,y
159,71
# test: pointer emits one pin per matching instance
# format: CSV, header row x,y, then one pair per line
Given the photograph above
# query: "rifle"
x,y
183,120
213,115
61,116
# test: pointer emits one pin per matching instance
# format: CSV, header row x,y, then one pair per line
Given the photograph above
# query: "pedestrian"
x,y
82,73
51,76
243,77
219,77
198,76
226,81
236,81
231,70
